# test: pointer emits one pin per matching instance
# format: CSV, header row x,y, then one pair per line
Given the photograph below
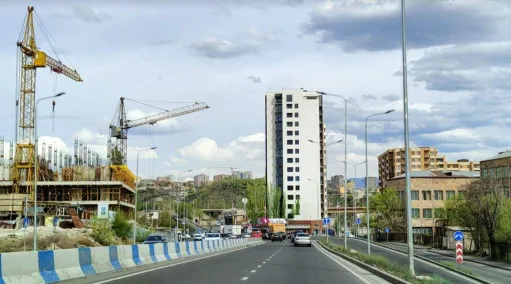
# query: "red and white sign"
x,y
459,252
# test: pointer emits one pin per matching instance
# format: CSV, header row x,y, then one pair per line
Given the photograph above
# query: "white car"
x,y
212,237
302,239
198,237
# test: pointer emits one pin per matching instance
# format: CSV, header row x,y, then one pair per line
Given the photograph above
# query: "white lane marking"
x,y
264,262
267,259
253,271
341,264
244,278
421,260
166,266
259,266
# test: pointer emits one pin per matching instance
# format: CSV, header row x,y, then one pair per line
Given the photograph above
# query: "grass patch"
x,y
455,267
385,264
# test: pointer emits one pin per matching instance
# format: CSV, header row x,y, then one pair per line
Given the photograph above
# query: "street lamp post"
x,y
36,162
136,194
179,200
345,160
326,192
411,266
367,184
355,199
319,196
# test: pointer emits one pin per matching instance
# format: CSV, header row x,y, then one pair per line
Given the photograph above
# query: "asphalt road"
x,y
421,267
485,272
277,262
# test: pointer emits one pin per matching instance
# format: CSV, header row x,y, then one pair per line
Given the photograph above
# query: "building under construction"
x,y
73,187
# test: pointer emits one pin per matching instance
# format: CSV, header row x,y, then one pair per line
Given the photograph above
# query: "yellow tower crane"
x,y
31,58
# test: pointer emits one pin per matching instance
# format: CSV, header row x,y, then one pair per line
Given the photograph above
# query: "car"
x,y
293,235
155,239
256,234
212,237
278,236
245,235
266,236
198,237
302,239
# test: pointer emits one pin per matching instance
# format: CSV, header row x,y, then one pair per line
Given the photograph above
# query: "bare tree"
x,y
484,202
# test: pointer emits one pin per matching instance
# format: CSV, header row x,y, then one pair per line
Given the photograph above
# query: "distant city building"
x,y
392,163
336,182
498,169
164,179
220,177
200,180
361,182
294,117
243,175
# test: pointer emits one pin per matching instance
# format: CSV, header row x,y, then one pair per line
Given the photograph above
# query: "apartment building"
x,y
392,163
497,168
243,175
294,164
220,177
336,182
430,190
200,180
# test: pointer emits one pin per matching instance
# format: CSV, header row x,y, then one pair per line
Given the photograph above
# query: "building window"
x,y
289,114
415,195
296,123
297,160
297,178
297,142
296,105
297,132
289,178
290,151
297,187
296,114
427,213
289,123
426,195
297,169
290,169
290,197
439,195
416,213
450,194
290,206
289,160
289,98
297,151
289,142
289,106
289,187
290,133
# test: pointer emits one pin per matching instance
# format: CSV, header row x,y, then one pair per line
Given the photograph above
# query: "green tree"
x,y
275,205
390,210
296,210
503,233
121,227
256,192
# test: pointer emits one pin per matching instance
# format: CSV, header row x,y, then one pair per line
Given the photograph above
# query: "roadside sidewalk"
x,y
476,259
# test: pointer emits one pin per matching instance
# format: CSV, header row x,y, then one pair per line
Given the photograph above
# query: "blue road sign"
x,y
55,221
25,222
359,221
326,221
387,230
458,235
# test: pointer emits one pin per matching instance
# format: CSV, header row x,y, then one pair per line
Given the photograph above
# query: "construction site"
x,y
45,182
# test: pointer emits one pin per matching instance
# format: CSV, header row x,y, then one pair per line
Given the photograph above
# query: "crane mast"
x,y
31,59
119,130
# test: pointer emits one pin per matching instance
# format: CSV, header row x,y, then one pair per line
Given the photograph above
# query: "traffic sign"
x,y
387,230
359,221
244,200
326,221
458,236
459,252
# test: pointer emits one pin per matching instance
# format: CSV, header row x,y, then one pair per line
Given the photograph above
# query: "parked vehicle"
x,y
155,239
302,239
212,236
266,236
256,234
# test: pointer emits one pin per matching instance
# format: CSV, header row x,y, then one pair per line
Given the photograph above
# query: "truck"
x,y
275,228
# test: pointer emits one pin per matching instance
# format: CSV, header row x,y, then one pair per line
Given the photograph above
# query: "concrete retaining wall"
x,y
54,266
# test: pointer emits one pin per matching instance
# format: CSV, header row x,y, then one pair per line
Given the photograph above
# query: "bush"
x,y
102,232
121,227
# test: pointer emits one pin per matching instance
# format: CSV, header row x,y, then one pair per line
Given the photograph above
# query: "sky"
x,y
228,53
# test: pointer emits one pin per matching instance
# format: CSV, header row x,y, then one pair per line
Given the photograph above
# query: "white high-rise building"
x,y
294,164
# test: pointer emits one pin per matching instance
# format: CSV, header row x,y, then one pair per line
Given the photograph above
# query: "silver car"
x,y
302,239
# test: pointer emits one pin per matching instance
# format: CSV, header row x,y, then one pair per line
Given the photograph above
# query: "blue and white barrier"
x,y
54,266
